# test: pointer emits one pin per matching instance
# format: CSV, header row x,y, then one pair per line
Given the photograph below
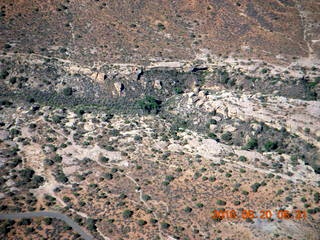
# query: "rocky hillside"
x,y
95,31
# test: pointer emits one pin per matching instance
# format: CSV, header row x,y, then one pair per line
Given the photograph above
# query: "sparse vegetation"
x,y
125,148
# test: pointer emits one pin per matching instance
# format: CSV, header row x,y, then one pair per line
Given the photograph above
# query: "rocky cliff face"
x,y
40,76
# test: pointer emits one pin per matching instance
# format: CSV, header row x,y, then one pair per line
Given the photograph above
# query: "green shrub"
x,y
37,181
91,223
66,199
178,90
244,192
114,170
114,132
15,162
67,91
311,211
127,213
169,178
146,197
204,178
269,146
50,200
103,159
4,74
109,148
165,183
227,136
188,209
137,138
153,221
212,178
236,203
123,196
15,132
25,221
48,162
307,130
255,187
29,230
161,27
288,199
243,159
212,136
316,197
108,176
303,199
149,104
221,202
80,112
200,205
228,175
141,222
57,119
48,221
60,176
57,158
165,225
251,144
13,80
26,174
32,125
270,175
213,121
